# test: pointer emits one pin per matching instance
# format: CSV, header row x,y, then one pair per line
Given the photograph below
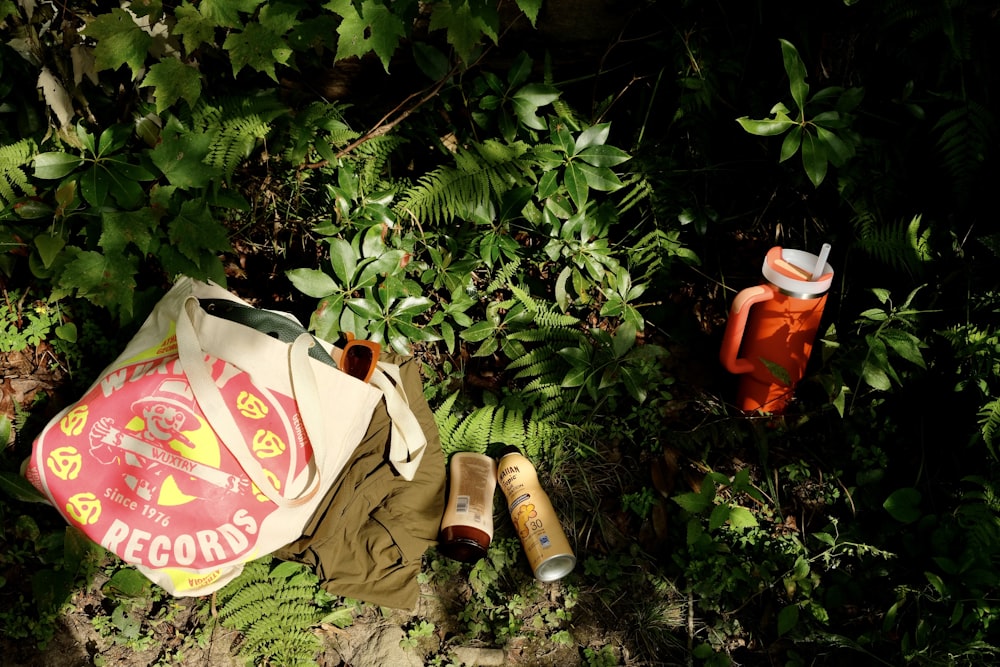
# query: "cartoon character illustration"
x,y
168,454
525,512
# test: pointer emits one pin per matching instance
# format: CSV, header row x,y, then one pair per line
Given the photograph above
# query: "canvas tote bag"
x,y
207,444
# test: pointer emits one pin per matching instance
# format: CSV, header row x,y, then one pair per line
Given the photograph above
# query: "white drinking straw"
x,y
824,252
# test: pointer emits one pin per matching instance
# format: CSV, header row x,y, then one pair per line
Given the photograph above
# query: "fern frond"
x,y
989,424
14,159
236,126
503,277
273,610
966,137
544,314
901,246
449,192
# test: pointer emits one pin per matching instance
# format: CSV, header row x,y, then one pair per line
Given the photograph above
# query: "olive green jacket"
x,y
368,536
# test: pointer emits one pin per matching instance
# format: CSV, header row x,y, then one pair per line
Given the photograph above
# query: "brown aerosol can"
x,y
535,520
467,524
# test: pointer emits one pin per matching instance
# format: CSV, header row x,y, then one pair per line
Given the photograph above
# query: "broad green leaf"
x,y
121,228
576,184
519,72
55,165
603,156
596,135
938,584
814,158
905,345
599,178
624,339
312,282
173,80
127,583
741,517
180,155
49,246
67,332
94,185
431,61
257,47
788,617
32,209
367,308
18,487
790,146
836,149
779,372
575,377
719,516
479,331
530,9
463,31
766,127
325,320
796,70
195,232
343,260
526,113
903,505
193,27
387,263
694,503
106,280
411,305
228,13
120,41
537,94
375,28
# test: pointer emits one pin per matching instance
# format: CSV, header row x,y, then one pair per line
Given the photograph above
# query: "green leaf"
x,y
55,165
173,80
903,505
49,246
596,135
121,228
193,27
120,41
431,61
790,146
18,488
576,184
603,156
105,280
127,583
180,155
530,9
905,345
814,158
343,260
257,47
67,332
463,30
796,70
694,503
196,233
766,127
312,282
788,617
375,28
599,178
720,514
836,149
228,13
741,517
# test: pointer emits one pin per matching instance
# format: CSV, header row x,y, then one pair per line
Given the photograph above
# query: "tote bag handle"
x,y
192,357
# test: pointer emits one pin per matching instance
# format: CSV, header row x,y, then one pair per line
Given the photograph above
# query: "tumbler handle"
x,y
737,324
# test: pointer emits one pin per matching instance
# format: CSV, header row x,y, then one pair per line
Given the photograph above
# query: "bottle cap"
x,y
464,549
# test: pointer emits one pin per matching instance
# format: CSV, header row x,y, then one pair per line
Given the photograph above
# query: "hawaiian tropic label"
x,y
137,467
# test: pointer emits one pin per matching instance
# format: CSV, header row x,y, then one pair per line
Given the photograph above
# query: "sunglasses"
x,y
359,357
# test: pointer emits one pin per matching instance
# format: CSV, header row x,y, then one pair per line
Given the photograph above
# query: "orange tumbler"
x,y
772,327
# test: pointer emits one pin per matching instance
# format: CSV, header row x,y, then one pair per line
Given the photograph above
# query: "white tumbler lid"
x,y
802,263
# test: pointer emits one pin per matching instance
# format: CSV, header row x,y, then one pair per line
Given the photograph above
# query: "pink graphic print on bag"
x,y
136,466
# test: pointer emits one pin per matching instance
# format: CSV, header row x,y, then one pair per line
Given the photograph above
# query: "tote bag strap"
x,y
210,399
407,440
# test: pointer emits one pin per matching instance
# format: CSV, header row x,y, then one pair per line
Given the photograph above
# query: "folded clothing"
x,y
368,536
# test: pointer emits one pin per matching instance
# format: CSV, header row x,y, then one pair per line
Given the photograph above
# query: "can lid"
x,y
555,567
